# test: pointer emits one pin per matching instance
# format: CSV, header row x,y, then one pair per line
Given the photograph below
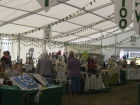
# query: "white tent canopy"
x,y
82,21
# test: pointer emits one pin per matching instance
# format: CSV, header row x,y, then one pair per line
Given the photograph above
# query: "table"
x,y
14,96
133,74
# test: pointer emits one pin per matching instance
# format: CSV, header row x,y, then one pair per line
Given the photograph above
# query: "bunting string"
x,y
110,34
77,13
83,29
96,47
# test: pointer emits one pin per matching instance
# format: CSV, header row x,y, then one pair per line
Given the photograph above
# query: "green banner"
x,y
137,16
123,13
46,3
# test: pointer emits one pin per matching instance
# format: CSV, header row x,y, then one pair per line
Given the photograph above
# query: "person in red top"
x,y
92,65
6,59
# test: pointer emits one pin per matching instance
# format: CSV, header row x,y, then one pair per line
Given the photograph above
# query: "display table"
x,y
133,74
114,77
94,82
15,96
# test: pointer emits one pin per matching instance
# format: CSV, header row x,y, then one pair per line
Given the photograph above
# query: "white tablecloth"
x,y
133,74
93,82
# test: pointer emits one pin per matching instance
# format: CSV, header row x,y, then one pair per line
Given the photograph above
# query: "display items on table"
x,y
25,82
60,68
113,71
40,79
29,61
105,78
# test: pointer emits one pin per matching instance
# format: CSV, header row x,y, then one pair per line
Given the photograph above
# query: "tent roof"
x,y
17,16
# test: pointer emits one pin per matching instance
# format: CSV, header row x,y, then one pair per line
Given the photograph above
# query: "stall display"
x,y
25,82
60,68
133,74
50,96
94,82
113,71
40,79
29,61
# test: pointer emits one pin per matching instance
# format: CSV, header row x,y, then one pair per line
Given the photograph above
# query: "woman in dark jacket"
x,y
74,73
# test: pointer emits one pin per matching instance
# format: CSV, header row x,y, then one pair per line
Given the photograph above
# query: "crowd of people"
x,y
47,63
70,63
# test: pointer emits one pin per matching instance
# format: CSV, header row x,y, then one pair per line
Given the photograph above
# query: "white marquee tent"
x,y
75,25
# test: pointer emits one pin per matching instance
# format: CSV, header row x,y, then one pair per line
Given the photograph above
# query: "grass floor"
x,y
126,94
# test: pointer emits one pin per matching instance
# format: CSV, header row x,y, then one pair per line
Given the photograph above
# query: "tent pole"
x,y
101,42
66,47
115,45
139,28
0,46
44,46
18,45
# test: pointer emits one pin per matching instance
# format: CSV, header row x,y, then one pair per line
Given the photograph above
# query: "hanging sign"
x,y
123,13
137,16
46,4
47,33
133,39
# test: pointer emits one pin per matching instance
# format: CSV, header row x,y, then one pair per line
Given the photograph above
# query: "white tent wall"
x,y
38,51
12,47
108,52
25,50
111,51
69,48
131,44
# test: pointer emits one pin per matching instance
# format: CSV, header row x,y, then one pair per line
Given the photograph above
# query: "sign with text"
x,y
137,16
46,4
123,13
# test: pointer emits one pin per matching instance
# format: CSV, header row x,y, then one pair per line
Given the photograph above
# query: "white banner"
x,y
137,16
50,4
123,13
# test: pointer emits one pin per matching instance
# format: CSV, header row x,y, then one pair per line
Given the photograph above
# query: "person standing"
x,y
44,67
6,59
74,73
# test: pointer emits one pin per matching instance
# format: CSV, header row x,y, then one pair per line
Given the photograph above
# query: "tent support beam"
x,y
95,14
18,45
87,11
116,45
35,12
27,14
38,10
84,36
115,34
101,42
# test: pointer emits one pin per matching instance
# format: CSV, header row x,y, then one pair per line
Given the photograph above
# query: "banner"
x,y
46,4
123,13
137,16
133,39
